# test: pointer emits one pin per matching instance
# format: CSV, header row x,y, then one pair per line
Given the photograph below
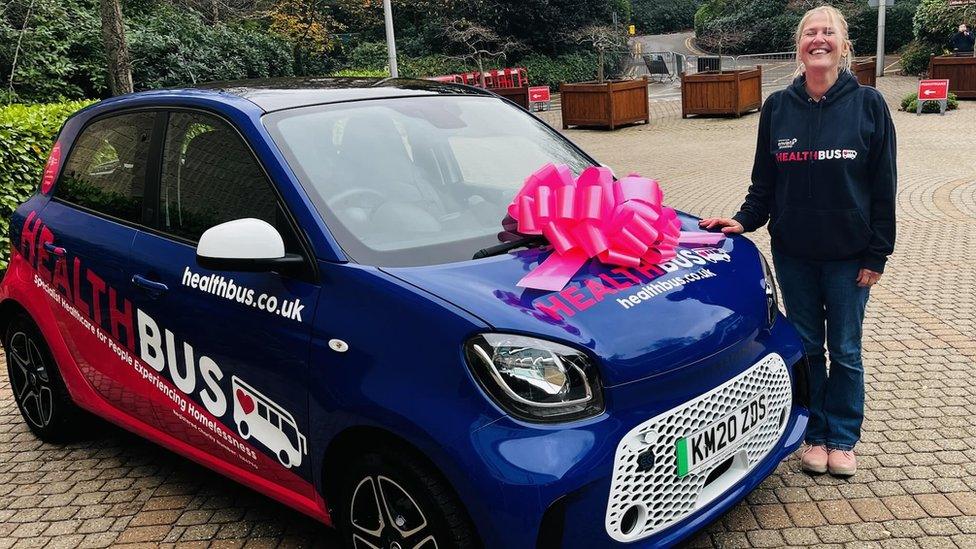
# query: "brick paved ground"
x,y
917,483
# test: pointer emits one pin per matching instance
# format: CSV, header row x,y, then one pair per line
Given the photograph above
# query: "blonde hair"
x,y
839,23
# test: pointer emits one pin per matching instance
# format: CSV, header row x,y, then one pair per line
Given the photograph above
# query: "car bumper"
x,y
559,486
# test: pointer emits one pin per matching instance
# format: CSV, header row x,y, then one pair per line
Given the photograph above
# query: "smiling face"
x,y
821,44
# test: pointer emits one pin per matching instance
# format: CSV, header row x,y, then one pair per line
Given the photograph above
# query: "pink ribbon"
x,y
620,222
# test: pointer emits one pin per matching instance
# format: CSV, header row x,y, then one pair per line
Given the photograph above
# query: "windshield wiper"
x,y
510,245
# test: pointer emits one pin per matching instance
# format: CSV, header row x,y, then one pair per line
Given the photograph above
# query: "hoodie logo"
x,y
807,156
786,143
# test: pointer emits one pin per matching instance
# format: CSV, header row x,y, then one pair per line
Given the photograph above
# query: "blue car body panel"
x,y
405,371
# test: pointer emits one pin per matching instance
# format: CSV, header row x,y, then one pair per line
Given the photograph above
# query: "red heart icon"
x,y
247,403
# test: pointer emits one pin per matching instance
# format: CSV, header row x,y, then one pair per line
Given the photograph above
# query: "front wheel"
x,y
38,389
399,502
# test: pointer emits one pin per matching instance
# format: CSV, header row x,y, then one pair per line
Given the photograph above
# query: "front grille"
x,y
646,500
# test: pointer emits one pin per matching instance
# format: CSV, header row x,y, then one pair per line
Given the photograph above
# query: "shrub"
x,y
909,103
915,57
709,11
362,73
372,56
863,26
660,16
757,26
550,71
432,65
542,69
61,55
368,55
936,22
27,134
176,49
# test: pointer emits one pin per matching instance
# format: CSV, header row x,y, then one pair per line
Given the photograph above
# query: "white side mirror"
x,y
243,245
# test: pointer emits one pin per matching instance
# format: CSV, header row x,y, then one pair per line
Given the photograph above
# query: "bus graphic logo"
x,y
258,416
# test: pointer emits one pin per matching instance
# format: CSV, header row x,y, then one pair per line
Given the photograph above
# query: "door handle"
x,y
54,250
151,285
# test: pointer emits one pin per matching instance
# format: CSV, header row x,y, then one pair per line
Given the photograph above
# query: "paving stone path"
x,y
917,483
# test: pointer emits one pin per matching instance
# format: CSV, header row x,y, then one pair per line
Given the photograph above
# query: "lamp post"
x,y
390,39
879,60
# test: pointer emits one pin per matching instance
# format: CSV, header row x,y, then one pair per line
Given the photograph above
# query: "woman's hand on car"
x,y
867,278
728,225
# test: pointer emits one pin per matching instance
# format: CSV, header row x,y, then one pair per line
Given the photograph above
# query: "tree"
x,y
308,25
478,44
116,49
225,11
603,39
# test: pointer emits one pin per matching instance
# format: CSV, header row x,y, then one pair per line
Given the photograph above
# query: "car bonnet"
x,y
636,321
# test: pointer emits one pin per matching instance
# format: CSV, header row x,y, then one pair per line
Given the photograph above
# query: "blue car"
x,y
300,285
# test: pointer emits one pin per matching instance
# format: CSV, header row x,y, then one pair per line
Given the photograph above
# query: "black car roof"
x,y
272,94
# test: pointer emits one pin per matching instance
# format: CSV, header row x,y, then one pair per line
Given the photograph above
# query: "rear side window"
x,y
106,171
209,176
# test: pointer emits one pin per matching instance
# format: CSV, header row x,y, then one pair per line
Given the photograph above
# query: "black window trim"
x,y
71,150
153,180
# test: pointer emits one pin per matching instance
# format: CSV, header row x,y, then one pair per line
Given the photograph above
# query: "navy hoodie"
x,y
824,174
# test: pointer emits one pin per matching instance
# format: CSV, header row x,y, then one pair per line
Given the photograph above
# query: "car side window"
x,y
106,169
209,176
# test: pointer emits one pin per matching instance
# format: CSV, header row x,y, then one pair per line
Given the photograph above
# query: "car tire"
x,y
37,385
425,512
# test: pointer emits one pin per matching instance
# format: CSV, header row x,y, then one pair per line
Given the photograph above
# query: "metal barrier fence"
x,y
665,67
777,68
658,66
668,65
703,63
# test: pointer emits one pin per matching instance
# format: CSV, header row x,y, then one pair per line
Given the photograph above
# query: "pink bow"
x,y
619,222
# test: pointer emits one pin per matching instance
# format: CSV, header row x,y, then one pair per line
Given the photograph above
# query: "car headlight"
x,y
534,379
769,285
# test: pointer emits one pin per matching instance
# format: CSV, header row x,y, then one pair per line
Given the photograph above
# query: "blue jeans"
x,y
823,301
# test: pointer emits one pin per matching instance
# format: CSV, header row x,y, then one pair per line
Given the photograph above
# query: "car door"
x,y
82,241
233,345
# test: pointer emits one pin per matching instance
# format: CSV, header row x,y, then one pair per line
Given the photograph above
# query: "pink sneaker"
x,y
842,463
814,459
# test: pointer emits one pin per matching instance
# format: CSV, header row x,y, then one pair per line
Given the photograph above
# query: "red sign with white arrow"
x,y
933,90
539,94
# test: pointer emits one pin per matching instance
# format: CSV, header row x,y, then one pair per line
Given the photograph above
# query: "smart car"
x,y
309,286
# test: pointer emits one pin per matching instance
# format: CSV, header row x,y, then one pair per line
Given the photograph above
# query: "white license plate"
x,y
720,437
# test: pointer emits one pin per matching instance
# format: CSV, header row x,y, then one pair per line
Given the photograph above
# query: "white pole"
x,y
879,68
390,39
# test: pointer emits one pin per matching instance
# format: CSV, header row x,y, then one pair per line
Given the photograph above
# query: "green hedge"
x,y
550,71
369,59
27,134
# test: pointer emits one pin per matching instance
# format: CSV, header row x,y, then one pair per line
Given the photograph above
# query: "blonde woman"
x,y
824,177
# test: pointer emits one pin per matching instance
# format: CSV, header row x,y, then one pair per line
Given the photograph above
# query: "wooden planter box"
x,y
519,96
864,72
729,92
606,105
960,71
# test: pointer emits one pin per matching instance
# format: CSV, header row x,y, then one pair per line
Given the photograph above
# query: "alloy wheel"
x,y
385,516
30,380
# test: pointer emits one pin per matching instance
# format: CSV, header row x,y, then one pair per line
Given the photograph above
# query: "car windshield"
x,y
420,180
